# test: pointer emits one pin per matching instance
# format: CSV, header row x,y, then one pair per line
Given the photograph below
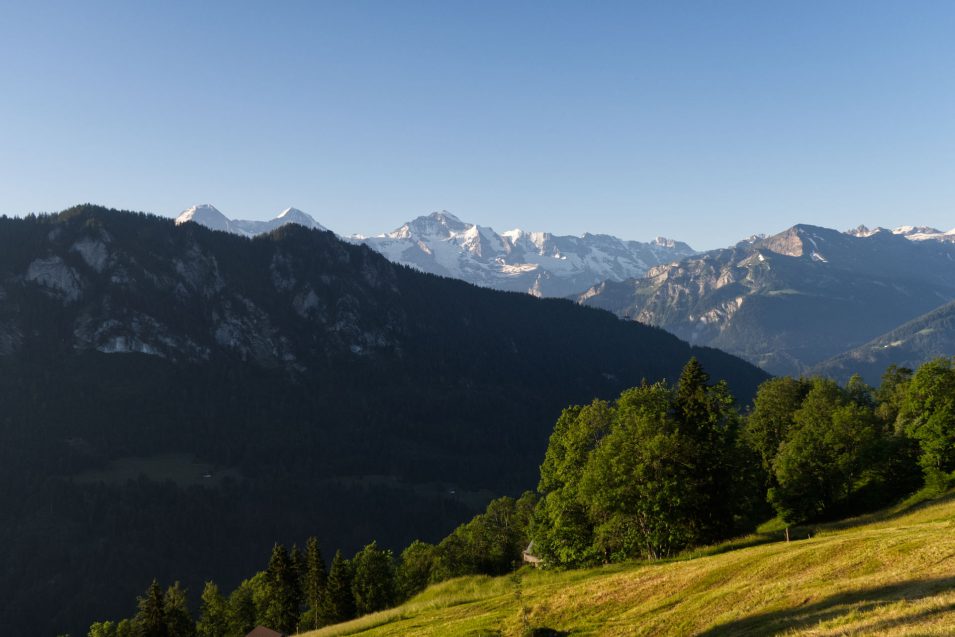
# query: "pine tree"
x,y
176,613
339,601
150,619
282,610
297,580
314,584
707,416
692,399
213,613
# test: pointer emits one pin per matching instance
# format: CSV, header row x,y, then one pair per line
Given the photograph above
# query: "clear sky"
x,y
702,121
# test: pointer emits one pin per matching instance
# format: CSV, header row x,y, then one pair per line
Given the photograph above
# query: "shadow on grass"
x,y
806,615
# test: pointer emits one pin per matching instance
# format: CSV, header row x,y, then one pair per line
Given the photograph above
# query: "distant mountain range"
x,y
790,301
334,392
539,263
810,293
915,233
929,336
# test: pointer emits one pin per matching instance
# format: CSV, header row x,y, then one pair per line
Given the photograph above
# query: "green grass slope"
x,y
891,573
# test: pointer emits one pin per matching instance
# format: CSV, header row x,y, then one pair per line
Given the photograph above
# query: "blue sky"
x,y
703,121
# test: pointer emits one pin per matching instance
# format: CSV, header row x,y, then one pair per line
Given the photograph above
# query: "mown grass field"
x,y
890,573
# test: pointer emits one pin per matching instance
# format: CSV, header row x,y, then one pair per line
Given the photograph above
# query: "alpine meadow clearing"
x,y
887,573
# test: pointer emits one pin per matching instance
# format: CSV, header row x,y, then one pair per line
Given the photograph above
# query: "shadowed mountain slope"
x,y
929,336
174,400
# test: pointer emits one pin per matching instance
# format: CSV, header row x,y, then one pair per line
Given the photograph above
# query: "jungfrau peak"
x,y
539,263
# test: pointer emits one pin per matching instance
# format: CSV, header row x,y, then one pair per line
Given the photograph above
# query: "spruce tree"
x,y
282,609
314,584
707,416
297,580
179,621
213,613
339,601
150,619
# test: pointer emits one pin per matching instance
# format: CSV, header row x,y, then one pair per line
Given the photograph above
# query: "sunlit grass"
x,y
886,573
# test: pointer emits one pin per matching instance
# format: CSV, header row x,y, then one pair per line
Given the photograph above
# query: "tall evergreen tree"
x,y
339,600
707,415
150,618
179,621
282,610
213,613
297,570
314,584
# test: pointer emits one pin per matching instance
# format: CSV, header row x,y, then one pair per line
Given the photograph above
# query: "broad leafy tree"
x,y
927,415
833,442
414,569
373,579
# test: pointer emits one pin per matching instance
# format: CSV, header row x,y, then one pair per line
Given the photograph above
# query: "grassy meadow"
x,y
888,573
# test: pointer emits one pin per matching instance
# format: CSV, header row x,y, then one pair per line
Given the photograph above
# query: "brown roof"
x,y
262,631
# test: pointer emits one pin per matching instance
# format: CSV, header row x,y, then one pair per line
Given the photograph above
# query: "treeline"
x,y
666,468
297,592
661,469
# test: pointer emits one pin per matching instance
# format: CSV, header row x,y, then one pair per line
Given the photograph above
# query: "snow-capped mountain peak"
x,y
440,225
924,233
206,215
864,231
210,216
294,215
913,233
540,263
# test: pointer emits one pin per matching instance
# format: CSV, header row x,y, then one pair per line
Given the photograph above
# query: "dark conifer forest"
x,y
175,401
661,469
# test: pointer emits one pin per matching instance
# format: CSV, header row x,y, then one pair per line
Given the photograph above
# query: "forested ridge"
x,y
295,385
661,469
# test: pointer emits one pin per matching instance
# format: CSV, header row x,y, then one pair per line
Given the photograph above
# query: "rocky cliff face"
x,y
789,301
